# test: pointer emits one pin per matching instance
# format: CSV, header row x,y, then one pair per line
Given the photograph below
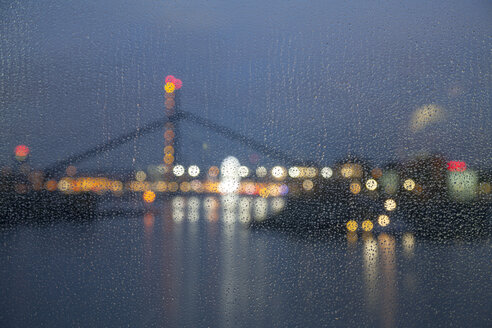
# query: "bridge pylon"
x,y
171,131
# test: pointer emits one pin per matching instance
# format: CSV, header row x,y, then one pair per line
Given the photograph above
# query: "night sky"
x,y
317,79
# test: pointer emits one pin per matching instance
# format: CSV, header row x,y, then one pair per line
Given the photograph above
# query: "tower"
x,y
171,128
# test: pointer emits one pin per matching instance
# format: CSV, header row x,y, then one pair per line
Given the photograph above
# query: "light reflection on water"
x,y
194,261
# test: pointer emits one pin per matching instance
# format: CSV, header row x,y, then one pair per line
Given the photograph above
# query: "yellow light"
x,y
148,196
383,220
367,225
172,186
307,185
355,188
311,172
347,171
409,184
390,205
160,186
169,87
116,186
351,225
64,184
264,192
140,176
371,184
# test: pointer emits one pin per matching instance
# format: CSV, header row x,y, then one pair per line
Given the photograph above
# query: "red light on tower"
x,y
456,166
21,151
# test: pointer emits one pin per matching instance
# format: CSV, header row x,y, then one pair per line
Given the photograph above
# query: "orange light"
x,y
377,173
51,185
148,196
169,159
148,220
169,103
213,171
71,170
185,186
169,150
169,134
355,188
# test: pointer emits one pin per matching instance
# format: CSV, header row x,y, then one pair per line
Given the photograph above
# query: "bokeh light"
x,y
148,196
409,184
178,170
351,225
278,172
294,172
193,171
390,204
140,176
367,225
21,151
213,171
371,184
169,87
243,171
383,220
355,188
307,185
326,172
261,171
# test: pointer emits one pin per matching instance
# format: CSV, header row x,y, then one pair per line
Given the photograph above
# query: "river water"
x,y
194,262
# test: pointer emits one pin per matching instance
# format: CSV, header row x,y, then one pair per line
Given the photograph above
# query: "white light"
x,y
228,186
193,171
278,172
409,184
277,204
229,175
261,171
178,170
294,172
389,204
383,220
243,171
371,184
326,172
260,209
229,167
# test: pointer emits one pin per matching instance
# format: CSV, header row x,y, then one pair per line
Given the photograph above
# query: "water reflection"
x,y
195,261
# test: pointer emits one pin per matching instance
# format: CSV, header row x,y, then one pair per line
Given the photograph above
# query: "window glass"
x,y
221,163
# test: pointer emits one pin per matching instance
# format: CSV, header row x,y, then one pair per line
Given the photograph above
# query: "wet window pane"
x,y
254,164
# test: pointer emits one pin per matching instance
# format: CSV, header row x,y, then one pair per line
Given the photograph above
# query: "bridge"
x,y
173,116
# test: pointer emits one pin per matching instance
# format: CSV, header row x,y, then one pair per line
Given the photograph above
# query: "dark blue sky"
x,y
319,79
